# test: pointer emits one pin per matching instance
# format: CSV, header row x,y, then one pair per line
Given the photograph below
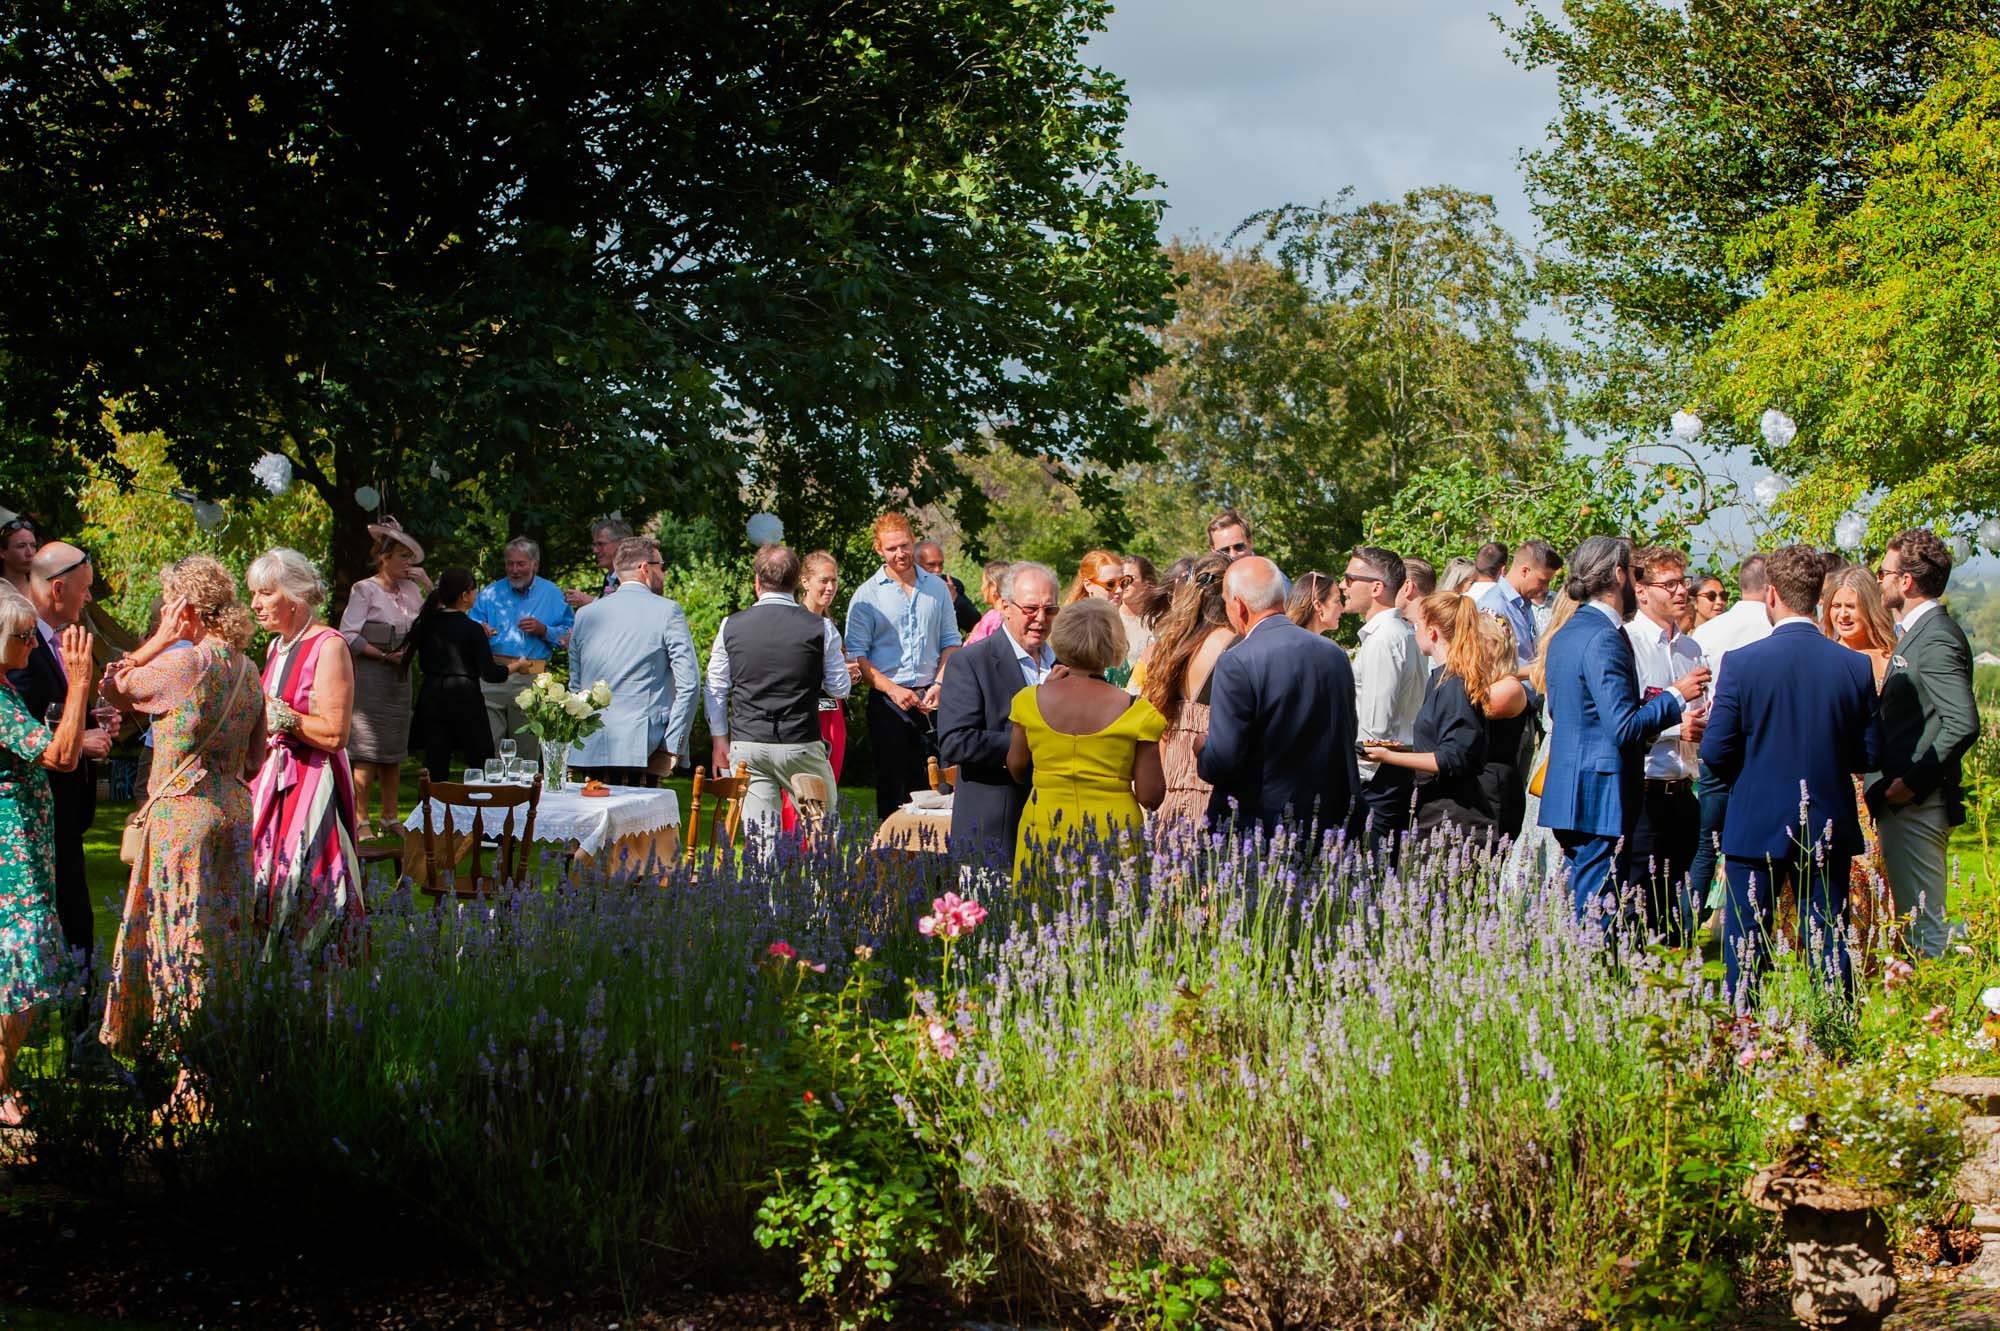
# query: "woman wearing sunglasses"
x,y
1102,577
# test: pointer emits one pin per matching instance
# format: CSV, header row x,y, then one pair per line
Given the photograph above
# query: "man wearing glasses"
x,y
973,729
1660,850
1229,534
59,580
636,641
1389,679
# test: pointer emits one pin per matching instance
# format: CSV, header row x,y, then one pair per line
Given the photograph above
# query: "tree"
x,y
1875,327
1306,387
1682,125
516,267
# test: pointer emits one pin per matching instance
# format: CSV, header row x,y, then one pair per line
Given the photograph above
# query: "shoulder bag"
x,y
132,842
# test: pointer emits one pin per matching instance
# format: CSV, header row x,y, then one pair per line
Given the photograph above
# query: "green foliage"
x,y
1163,1296
517,272
1681,127
1874,325
1451,508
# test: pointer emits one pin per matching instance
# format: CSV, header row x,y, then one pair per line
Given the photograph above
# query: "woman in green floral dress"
x,y
35,964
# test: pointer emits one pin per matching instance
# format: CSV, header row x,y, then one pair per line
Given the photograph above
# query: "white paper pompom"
x,y
1687,426
1961,549
1850,531
368,497
1778,428
273,471
209,515
1989,534
765,529
1766,491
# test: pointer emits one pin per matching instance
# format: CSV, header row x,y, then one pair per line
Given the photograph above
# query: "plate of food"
x,y
594,789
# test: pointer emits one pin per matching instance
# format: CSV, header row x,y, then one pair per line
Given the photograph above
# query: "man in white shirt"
x,y
1487,566
1745,622
1510,598
1660,850
1388,690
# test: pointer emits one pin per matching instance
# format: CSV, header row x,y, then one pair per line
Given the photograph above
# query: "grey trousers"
x,y
504,716
1915,838
778,766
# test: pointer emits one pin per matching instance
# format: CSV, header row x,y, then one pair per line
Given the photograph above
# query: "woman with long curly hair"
x,y
1187,642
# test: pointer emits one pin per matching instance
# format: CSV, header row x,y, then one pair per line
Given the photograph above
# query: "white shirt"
x,y
1906,622
834,679
1034,669
1743,623
1662,656
1388,682
1607,612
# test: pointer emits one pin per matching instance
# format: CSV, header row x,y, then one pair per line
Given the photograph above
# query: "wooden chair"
x,y
444,851
943,779
725,796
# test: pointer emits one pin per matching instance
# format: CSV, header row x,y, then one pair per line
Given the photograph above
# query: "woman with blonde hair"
x,y
1452,735
194,880
1509,714
1852,614
1188,640
989,591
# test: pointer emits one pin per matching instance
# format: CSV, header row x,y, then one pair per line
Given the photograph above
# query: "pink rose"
x,y
780,951
1897,974
951,916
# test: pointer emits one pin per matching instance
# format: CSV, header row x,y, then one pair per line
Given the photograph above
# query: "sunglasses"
x,y
1034,611
1235,550
1712,596
68,569
12,525
1117,584
1346,578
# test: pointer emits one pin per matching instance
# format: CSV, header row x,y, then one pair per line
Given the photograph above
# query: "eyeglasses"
x,y
1346,578
1235,549
1035,611
26,635
1117,584
1886,572
1667,584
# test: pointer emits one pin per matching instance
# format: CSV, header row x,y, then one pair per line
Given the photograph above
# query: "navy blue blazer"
x,y
973,735
1599,729
1281,729
1796,709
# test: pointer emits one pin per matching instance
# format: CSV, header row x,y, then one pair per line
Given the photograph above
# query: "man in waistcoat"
x,y
770,665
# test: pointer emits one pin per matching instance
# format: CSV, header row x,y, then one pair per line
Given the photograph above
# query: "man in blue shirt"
x,y
526,618
1511,597
900,623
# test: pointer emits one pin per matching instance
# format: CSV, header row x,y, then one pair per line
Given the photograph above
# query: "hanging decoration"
x,y
368,497
1850,531
1778,428
765,529
1767,491
1687,426
273,471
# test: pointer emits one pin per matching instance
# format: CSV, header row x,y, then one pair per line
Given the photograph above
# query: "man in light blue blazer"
x,y
1599,725
638,643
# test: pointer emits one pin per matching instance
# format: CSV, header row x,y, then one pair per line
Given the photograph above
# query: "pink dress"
x,y
308,875
988,625
380,729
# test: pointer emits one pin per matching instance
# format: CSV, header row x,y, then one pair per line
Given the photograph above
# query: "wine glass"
x,y
507,747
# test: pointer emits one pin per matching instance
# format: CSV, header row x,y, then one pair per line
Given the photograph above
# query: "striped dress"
x,y
308,879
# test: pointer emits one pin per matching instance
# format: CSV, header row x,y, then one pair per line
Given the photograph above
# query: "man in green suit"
x,y
1929,720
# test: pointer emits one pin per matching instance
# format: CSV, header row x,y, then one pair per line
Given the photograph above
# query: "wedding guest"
x,y
1090,749
930,558
1487,566
525,619
605,534
1853,616
194,884
1449,739
1458,575
1315,605
638,642
1710,599
1535,853
989,592
819,583
1745,622
1659,852
18,543
1389,677
1141,577
1599,728
449,719
1099,575
1229,534
59,583
1189,639
1535,565
376,624
975,732
1278,684
1419,581
302,809
1511,715
900,623
1794,720
1929,720
37,965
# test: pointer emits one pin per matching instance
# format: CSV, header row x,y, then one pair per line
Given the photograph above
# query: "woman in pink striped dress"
x,y
308,875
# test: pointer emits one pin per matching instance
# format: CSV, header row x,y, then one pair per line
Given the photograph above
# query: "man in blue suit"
x,y
1599,725
1794,721
1281,722
638,642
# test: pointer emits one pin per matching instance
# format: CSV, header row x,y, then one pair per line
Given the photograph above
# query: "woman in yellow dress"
x,y
1090,748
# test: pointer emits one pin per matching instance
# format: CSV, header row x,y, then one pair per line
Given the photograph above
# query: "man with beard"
x,y
1599,728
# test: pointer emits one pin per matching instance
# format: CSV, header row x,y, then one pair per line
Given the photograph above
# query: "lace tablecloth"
x,y
565,815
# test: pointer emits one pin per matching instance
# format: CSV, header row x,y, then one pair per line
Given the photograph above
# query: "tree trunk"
x,y
347,557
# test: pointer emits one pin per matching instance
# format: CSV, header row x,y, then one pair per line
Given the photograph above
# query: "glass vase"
x,y
555,766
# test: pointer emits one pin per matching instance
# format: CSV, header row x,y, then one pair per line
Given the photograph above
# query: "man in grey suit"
x,y
1929,720
638,643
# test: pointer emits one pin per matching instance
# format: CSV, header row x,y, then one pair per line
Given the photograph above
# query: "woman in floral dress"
x,y
35,964
192,883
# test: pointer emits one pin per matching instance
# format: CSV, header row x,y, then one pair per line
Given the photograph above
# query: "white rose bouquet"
x,y
558,717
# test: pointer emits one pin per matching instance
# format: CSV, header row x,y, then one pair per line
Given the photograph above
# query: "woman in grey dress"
x,y
380,613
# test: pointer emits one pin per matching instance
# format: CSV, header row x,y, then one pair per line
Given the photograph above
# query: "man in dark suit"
x,y
1599,728
1794,721
59,586
1929,720
1281,722
973,729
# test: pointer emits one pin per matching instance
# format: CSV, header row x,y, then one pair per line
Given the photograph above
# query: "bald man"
x,y
1281,726
59,586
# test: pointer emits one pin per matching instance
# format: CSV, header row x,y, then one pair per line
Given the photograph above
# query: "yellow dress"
x,y
1082,782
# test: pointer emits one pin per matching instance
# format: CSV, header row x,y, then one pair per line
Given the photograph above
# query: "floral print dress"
x,y
192,887
35,963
